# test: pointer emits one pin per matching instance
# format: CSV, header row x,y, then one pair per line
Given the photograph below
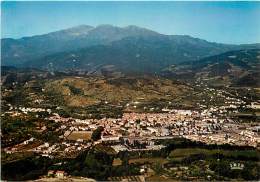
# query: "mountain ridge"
x,y
124,47
28,48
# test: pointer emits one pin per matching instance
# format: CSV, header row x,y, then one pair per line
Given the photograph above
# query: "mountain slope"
x,y
235,68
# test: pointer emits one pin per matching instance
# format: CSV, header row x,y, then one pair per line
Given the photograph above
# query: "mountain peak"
x,y
134,27
78,30
82,27
106,26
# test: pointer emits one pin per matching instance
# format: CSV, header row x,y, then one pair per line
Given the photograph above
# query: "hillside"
x,y
234,68
73,94
87,91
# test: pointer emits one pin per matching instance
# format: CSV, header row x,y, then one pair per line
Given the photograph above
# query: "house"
x,y
255,105
117,162
60,174
109,138
51,173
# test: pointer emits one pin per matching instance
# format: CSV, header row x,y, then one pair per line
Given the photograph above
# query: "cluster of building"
x,y
137,131
17,111
201,126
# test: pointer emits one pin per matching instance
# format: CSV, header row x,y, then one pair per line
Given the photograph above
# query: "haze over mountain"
x,y
129,48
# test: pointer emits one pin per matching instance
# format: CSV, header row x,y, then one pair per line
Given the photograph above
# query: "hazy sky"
x,y
227,22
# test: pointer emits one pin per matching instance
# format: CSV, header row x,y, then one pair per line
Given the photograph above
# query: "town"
x,y
138,131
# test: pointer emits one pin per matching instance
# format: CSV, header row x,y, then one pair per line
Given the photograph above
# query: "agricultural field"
x,y
185,152
76,135
8,158
152,160
105,149
117,162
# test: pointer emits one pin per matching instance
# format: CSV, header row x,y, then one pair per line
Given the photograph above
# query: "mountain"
x,y
235,68
148,54
127,49
17,51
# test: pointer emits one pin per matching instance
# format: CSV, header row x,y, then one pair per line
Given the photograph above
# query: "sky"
x,y
224,22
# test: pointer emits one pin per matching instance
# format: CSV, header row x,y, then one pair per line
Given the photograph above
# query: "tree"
x,y
158,168
96,135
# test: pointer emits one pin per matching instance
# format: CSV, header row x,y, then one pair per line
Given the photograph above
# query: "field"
x,y
75,135
148,160
29,146
117,162
105,149
185,152
127,178
7,158
159,178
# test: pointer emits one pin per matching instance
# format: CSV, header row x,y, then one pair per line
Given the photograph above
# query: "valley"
x,y
54,116
128,104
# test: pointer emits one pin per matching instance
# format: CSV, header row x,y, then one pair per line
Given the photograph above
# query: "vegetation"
x,y
27,168
96,135
92,163
16,130
252,155
94,97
